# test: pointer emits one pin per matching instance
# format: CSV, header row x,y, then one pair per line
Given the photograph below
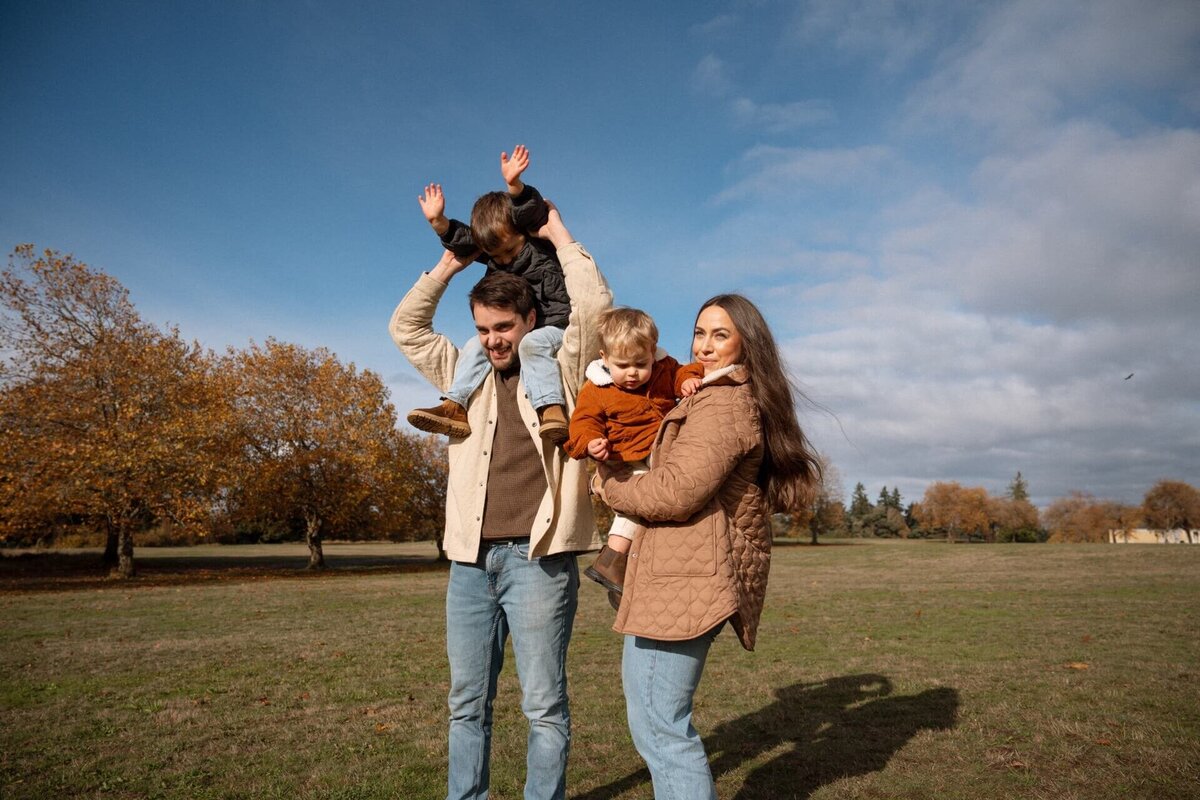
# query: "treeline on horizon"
x,y
115,429
954,512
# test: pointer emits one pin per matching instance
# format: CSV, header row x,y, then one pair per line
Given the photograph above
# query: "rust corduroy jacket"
x,y
628,419
705,553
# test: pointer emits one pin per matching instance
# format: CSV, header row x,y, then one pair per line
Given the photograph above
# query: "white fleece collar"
x,y
599,375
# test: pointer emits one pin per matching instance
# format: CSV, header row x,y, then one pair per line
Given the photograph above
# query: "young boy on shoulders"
x,y
628,391
498,236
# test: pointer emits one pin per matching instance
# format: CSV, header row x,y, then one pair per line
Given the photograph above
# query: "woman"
x,y
724,459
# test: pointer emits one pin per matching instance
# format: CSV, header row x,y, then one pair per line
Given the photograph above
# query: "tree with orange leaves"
x,y
957,510
1172,504
318,445
107,421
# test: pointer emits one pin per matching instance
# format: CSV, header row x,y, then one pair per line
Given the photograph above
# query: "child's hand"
x,y
433,206
511,168
690,387
598,449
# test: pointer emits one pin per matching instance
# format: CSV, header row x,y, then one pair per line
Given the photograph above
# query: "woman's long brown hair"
x,y
790,469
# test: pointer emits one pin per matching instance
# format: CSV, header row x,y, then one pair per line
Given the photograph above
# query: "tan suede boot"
x,y
447,419
552,423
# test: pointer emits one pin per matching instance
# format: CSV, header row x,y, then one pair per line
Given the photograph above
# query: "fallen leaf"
x,y
380,727
1076,665
1103,741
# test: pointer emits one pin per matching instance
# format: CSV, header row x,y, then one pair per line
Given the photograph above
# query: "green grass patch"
x,y
884,670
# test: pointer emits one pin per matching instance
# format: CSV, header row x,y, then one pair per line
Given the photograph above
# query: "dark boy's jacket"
x,y
536,263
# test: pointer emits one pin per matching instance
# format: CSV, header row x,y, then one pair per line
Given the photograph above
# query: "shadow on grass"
x,y
837,728
34,572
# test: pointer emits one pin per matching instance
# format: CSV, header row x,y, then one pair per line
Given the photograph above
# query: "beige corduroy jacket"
x,y
704,554
564,521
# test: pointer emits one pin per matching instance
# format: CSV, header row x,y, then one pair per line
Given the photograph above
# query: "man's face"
x,y
500,331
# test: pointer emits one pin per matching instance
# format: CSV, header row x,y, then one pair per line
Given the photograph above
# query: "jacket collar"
x,y
599,375
733,374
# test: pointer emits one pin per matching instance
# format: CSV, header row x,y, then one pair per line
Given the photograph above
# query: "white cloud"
x,y
886,32
718,25
711,77
781,117
774,170
1090,225
1034,60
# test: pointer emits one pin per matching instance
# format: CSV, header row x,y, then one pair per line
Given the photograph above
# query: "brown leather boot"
x,y
448,419
608,569
552,424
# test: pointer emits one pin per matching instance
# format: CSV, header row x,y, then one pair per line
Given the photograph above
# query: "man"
x,y
517,512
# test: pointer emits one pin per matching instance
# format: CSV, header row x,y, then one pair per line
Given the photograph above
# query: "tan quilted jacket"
x,y
704,555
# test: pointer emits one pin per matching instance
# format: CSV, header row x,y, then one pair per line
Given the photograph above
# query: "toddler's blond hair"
x,y
627,331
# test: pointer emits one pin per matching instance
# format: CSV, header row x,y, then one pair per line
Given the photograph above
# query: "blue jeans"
x,y
660,680
539,368
501,593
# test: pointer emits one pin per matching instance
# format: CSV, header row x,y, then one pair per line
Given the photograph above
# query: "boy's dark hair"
x,y
503,290
491,218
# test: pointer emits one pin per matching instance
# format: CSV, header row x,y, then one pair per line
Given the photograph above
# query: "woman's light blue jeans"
x,y
660,680
539,368
502,593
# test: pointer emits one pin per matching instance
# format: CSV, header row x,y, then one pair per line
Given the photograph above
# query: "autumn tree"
x,y
1014,518
107,421
319,447
1172,504
1080,517
955,509
828,514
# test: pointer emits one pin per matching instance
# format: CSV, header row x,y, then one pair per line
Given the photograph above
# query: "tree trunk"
x,y
312,534
814,533
124,568
441,541
110,558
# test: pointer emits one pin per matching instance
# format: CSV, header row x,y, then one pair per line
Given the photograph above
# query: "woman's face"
x,y
716,342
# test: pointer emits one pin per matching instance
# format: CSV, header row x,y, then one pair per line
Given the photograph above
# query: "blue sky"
x,y
966,222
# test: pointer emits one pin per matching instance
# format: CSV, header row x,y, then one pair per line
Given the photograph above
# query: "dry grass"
x,y
914,670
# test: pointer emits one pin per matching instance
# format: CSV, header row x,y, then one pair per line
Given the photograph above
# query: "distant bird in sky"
x,y
1130,375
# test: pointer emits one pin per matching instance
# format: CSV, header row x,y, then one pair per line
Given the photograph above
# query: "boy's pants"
x,y
539,368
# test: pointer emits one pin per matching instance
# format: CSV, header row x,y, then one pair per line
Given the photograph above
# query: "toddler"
x,y
628,391
498,237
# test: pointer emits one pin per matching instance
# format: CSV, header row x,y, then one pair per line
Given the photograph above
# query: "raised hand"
x,y
511,168
433,206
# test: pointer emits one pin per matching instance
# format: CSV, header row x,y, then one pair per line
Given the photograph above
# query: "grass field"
x,y
884,670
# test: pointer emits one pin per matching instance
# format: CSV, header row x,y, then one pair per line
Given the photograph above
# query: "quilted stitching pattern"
x,y
705,554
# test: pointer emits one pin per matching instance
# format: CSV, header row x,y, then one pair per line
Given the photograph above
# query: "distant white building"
x,y
1152,536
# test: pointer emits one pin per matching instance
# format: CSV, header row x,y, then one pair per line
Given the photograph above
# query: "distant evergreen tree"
x,y
1018,489
860,506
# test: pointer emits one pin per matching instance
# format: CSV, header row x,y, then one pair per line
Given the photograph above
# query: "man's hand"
x,y
449,266
511,168
598,449
433,206
554,231
690,387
